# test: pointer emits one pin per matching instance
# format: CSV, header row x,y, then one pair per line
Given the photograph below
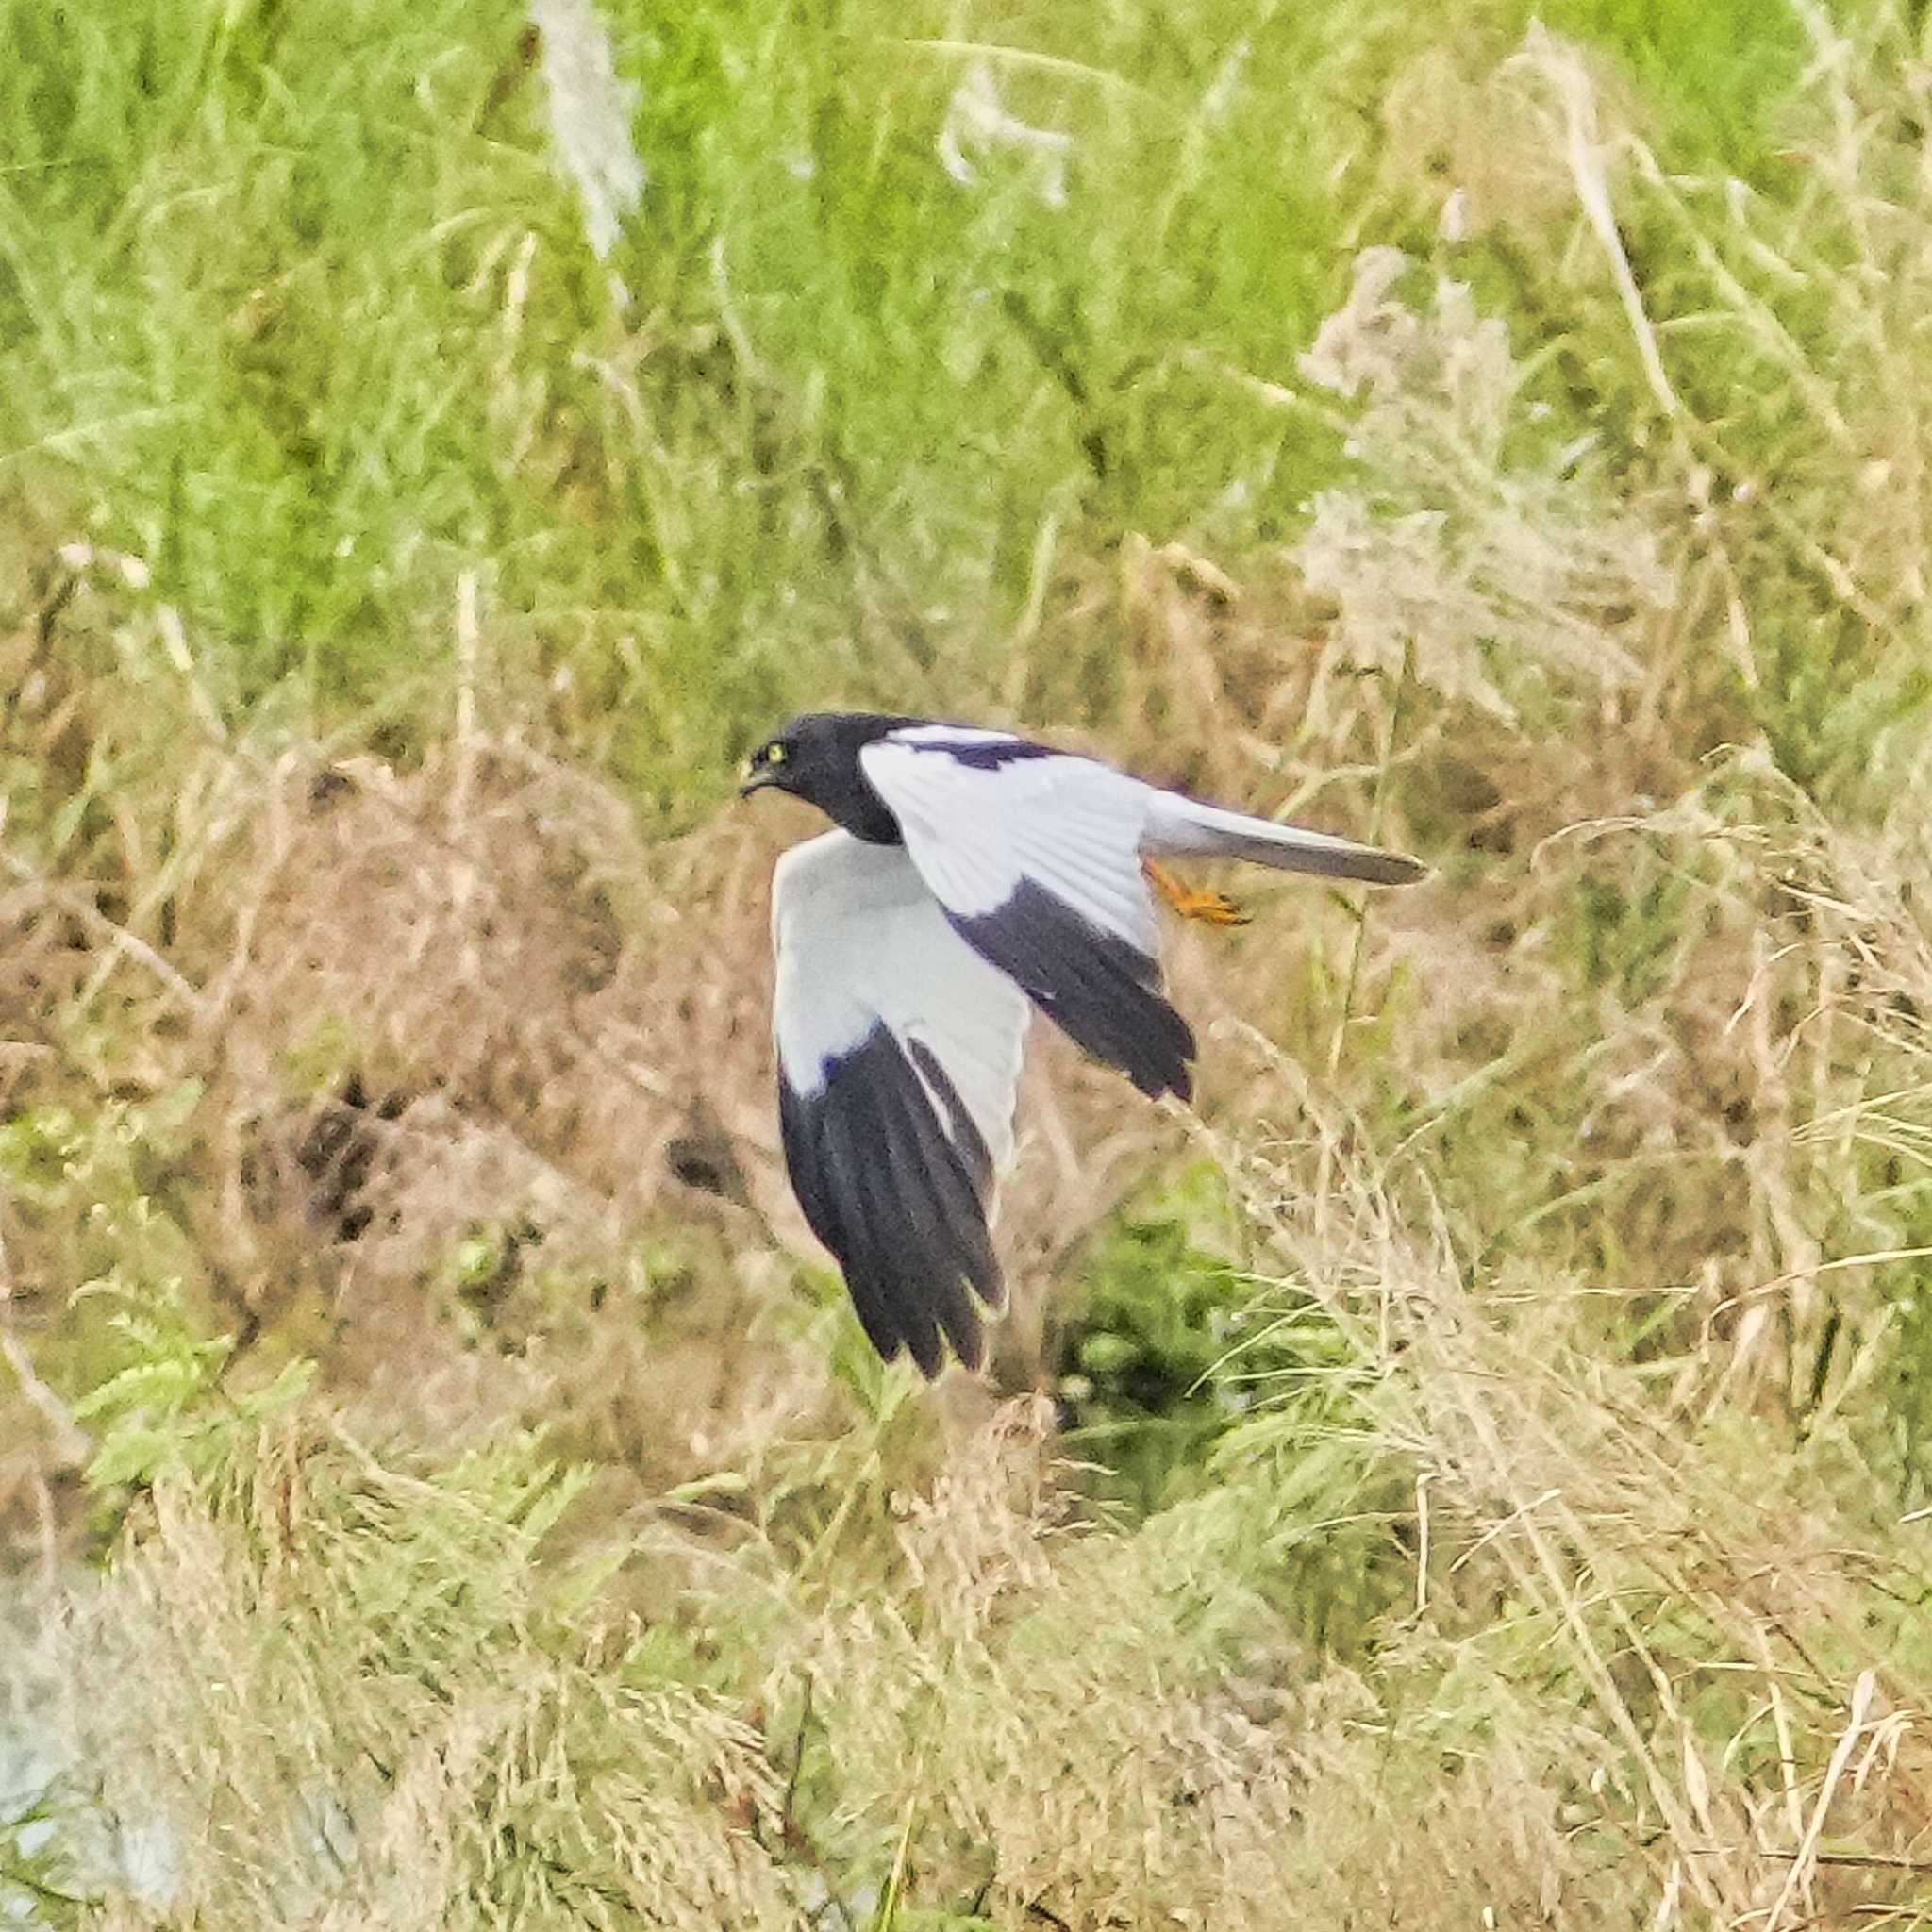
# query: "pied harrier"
x,y
974,877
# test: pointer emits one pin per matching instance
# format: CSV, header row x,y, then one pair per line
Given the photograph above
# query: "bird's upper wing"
x,y
1035,854
898,1054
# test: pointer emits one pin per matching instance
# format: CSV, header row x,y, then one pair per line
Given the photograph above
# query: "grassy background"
x,y
322,272
1477,1465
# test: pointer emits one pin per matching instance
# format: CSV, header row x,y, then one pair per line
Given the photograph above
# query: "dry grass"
x,y
1743,1622
1638,1662
1565,1567
432,1750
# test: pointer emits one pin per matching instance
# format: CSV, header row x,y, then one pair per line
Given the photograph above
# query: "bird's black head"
x,y
815,757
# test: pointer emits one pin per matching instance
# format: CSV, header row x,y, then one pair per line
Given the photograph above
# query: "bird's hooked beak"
x,y
754,778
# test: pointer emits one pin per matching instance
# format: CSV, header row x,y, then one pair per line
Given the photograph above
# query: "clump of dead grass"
x,y
475,1080
1727,1627
1633,1661
1737,357
1048,1713
348,1697
1465,557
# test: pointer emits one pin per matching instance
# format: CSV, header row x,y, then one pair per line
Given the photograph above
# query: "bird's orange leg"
x,y
1213,908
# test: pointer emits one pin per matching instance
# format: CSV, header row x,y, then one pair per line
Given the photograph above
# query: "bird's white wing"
x,y
1035,854
898,1054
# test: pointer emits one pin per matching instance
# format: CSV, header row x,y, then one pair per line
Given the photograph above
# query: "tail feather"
x,y
1184,826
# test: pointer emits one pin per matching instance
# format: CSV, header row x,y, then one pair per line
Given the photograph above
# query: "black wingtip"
x,y
1099,990
897,1199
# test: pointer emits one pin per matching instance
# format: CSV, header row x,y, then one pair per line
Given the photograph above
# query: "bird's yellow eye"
x,y
775,753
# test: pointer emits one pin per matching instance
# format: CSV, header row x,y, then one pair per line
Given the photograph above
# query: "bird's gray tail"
x,y
1184,826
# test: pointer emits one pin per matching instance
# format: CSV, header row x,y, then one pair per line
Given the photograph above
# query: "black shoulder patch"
x,y
893,1195
1101,992
985,755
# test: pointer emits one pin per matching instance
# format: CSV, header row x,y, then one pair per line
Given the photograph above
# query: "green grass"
x,y
300,312
1510,1382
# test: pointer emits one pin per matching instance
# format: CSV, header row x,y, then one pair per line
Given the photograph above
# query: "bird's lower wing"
x,y
899,1053
1035,855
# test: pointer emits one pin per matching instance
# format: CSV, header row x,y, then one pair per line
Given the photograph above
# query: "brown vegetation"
x,y
1562,1559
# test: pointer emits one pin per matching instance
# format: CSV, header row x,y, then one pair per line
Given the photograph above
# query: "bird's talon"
x,y
1210,908
1216,908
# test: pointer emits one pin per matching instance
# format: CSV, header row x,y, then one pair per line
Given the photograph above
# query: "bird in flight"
x,y
973,877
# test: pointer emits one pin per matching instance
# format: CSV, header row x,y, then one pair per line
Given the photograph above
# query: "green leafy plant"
x,y
167,1406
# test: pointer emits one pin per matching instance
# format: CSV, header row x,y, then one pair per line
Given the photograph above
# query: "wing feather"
x,y
898,1056
1035,855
